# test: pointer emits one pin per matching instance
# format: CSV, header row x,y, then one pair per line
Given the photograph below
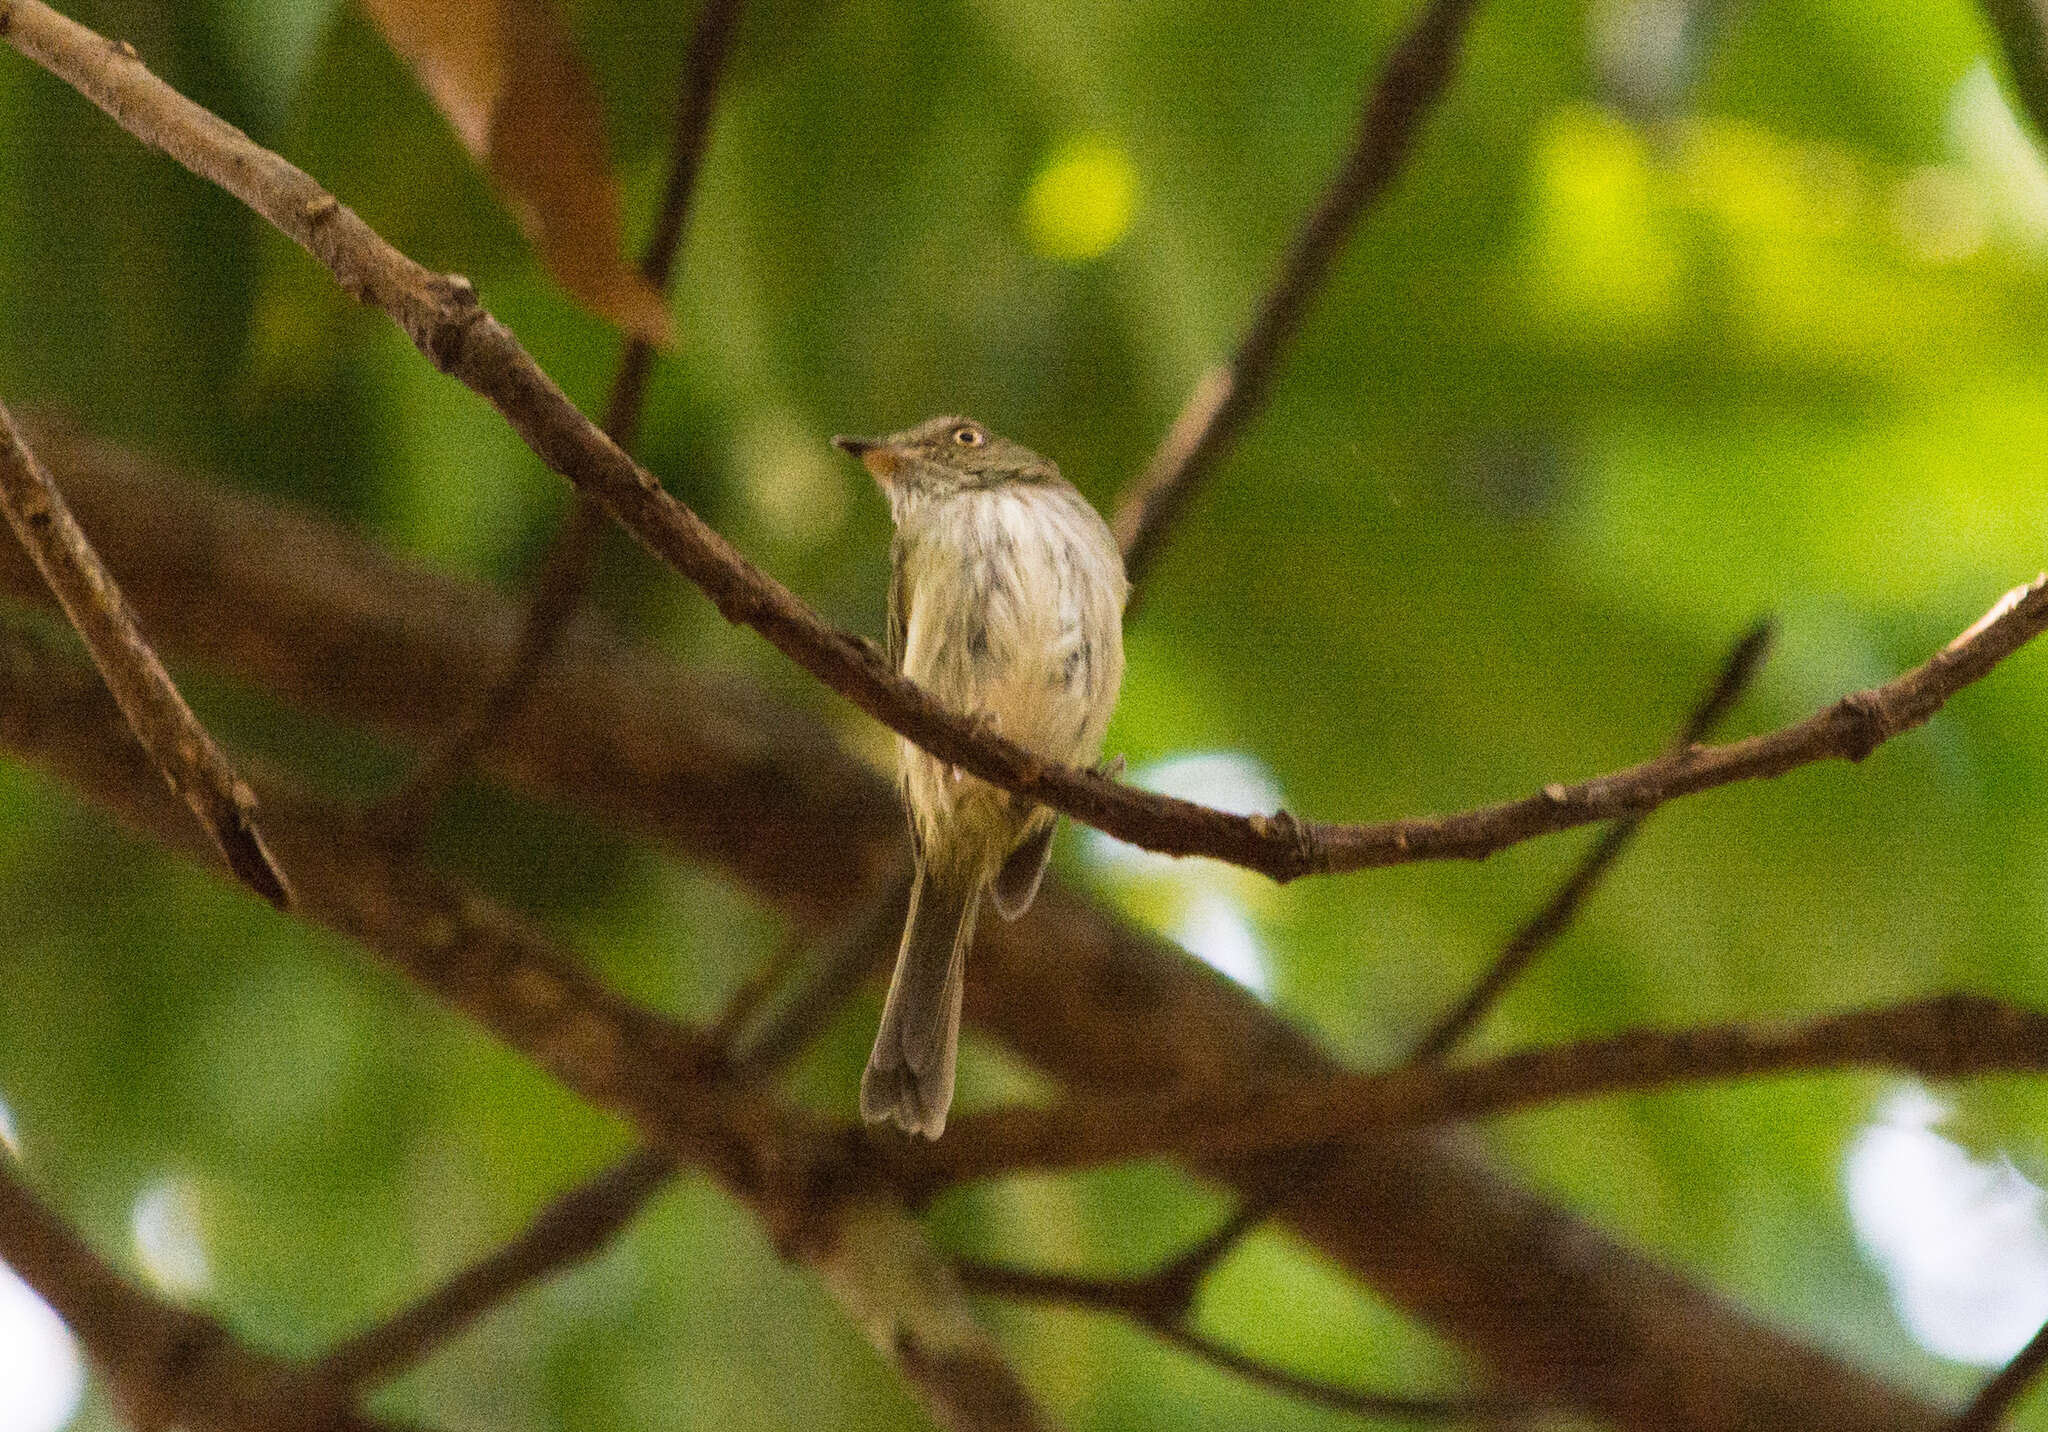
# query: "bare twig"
x,y
703,67
725,776
566,1232
167,1366
1540,932
835,974
182,749
565,573
1943,1037
753,991
1416,73
2010,1383
1132,1299
444,319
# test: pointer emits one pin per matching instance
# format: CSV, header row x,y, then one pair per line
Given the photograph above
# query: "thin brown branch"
x,y
183,750
835,974
571,1229
167,1366
442,316
703,68
724,775
1542,931
745,1002
565,573
2010,1383
1940,1038
1131,1299
557,592
1417,71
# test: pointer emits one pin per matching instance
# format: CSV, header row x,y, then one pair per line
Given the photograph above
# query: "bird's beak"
x,y
876,455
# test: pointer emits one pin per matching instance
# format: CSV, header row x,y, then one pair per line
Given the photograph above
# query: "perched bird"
x,y
1006,602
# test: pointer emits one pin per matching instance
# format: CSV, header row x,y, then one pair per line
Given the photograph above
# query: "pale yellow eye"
x,y
969,437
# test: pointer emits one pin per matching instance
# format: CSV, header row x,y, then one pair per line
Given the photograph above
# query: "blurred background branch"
x,y
565,573
1225,399
168,1366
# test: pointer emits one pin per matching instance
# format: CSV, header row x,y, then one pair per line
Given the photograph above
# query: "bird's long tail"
x,y
909,1078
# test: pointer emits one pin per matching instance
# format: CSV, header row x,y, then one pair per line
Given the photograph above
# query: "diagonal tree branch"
x,y
182,749
444,319
2006,1387
1415,75
722,775
565,573
1542,930
1940,1038
573,1228
168,1366
1131,1299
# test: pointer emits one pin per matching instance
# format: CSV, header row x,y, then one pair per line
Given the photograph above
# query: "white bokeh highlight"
x,y
42,1376
1992,187
1961,1241
1994,148
1198,904
165,1224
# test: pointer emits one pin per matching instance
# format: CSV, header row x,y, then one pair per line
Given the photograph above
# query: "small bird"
x,y
1006,602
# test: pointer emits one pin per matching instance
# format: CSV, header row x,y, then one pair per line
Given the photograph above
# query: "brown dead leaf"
x,y
506,75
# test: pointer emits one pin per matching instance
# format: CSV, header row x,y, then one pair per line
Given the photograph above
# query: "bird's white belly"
x,y
1004,592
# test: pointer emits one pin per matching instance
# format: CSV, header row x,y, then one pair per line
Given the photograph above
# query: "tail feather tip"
x,y
895,1096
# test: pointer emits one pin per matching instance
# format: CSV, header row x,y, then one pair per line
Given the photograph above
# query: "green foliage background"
x,y
1620,367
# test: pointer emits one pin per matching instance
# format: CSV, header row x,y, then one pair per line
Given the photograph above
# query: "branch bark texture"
x,y
182,748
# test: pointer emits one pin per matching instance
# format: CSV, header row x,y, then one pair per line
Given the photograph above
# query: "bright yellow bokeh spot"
x,y
1604,260
1080,203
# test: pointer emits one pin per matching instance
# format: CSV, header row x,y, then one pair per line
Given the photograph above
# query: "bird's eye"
x,y
969,437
